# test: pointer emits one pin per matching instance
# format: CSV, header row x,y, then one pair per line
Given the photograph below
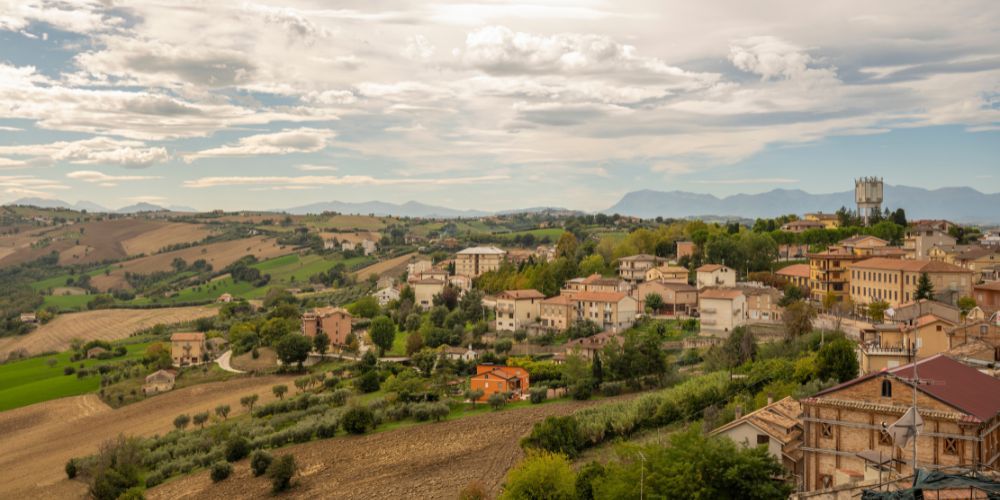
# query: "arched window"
x,y
886,389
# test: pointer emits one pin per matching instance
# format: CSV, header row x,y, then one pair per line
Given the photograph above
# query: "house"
x,y
595,283
715,275
892,345
475,261
778,426
633,268
335,322
895,280
545,253
910,311
159,381
828,273
685,249
722,309
792,252
418,266
430,274
557,313
459,354
515,309
188,348
844,425
668,274
678,298
96,352
921,239
424,291
385,282
615,311
225,298
987,296
386,295
795,274
589,347
463,283
829,221
800,226
493,379
983,261
982,330
28,318
762,304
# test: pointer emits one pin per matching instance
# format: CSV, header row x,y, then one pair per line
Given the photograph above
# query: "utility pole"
x,y
642,474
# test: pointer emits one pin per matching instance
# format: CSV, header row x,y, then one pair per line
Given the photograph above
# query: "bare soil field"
x,y
169,234
384,266
434,460
106,324
38,440
219,255
353,237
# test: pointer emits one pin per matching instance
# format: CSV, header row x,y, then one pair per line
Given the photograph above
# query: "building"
x,y
96,352
589,347
777,426
188,349
517,308
828,273
982,330
614,311
987,296
633,268
685,249
714,275
335,322
385,282
475,261
678,298
722,309
418,266
868,196
225,298
843,425
467,355
557,313
792,252
909,312
800,226
829,221
595,283
28,318
895,281
159,381
424,291
796,275
493,379
668,274
921,239
892,345
762,304
386,295
462,283
983,261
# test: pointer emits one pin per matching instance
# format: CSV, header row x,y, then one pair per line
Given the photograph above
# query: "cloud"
x,y
301,140
773,58
105,180
418,48
316,168
29,185
93,151
347,180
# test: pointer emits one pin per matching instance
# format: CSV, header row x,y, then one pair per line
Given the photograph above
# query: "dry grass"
x,y
170,234
108,324
383,267
38,440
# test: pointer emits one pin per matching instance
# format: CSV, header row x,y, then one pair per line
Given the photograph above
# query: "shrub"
x,y
281,472
612,388
582,390
153,479
260,460
539,394
358,420
475,490
71,468
237,449
555,434
327,429
368,382
496,400
220,471
69,370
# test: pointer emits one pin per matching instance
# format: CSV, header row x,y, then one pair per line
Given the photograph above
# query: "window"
x,y
884,438
950,446
886,389
826,430
763,439
825,481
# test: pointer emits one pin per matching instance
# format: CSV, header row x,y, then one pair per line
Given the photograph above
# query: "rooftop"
x,y
598,296
187,337
776,419
521,294
709,268
640,257
482,251
917,266
796,270
720,293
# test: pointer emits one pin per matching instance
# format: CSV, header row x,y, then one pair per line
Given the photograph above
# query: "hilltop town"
x,y
209,355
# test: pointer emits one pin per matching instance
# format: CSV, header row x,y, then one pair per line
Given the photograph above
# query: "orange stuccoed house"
x,y
492,379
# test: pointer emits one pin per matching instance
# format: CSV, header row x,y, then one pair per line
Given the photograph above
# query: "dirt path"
x,y
106,324
37,440
383,267
434,460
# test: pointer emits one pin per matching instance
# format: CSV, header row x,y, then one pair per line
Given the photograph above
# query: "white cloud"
x,y
772,58
29,185
316,168
93,151
418,48
347,180
301,140
105,180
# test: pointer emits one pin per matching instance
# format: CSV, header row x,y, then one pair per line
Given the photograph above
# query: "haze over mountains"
x,y
961,204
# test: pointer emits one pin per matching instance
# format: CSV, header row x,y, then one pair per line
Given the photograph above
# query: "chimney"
x,y
739,412
770,400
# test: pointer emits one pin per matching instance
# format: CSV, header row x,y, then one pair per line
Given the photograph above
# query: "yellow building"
x,y
895,280
828,270
892,345
475,261
829,221
517,308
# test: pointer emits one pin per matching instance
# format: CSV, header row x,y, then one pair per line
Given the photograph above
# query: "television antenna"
x,y
910,425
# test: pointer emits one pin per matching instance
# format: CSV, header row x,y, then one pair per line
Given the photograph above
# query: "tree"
x,y
248,402
798,319
557,435
366,307
281,472
260,460
925,289
116,468
447,298
382,332
181,421
654,301
966,304
321,342
220,471
199,419
358,420
829,300
279,391
293,348
541,475
837,360
567,245
474,395
414,343
876,310
597,369
792,294
222,411
237,448
496,400
593,264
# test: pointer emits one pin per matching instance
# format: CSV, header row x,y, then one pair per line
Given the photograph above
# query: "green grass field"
x,y
33,381
67,302
60,280
553,234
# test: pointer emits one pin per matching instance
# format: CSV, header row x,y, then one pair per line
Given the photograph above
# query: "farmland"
x,y
169,234
33,467
109,324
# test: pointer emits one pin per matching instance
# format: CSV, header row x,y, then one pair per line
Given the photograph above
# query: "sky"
x,y
490,105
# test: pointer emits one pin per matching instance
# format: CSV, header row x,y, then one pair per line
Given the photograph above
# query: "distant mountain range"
x,y
94,207
958,204
381,208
